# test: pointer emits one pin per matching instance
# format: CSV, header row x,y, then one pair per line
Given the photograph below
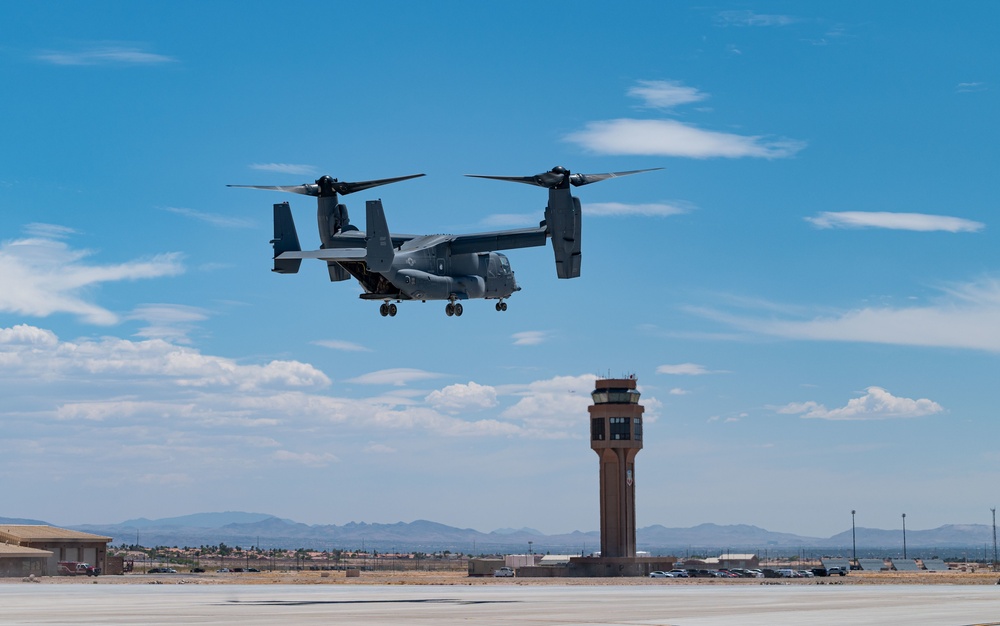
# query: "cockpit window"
x,y
504,264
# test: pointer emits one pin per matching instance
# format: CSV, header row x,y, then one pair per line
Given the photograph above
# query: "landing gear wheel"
x,y
503,306
384,309
458,310
449,309
392,310
498,306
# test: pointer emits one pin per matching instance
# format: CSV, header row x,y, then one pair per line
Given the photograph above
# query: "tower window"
x,y
597,429
620,429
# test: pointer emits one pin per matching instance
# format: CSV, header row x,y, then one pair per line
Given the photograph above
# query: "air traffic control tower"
x,y
616,437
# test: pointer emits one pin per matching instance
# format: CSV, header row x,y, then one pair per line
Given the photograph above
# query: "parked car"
x,y
659,574
504,572
197,570
678,573
787,573
836,571
223,570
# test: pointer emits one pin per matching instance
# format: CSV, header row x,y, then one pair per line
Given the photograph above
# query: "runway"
x,y
773,605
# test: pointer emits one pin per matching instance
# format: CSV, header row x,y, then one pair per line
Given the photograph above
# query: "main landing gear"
x,y
387,309
453,308
501,306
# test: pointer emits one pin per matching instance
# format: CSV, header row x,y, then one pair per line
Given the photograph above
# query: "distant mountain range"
x,y
268,531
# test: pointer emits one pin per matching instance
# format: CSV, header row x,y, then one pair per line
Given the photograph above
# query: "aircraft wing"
x,y
331,254
498,240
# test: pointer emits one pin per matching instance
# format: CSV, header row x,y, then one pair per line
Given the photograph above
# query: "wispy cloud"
x,y
896,221
310,459
172,322
530,337
876,404
104,55
673,138
684,369
284,168
398,376
222,221
345,346
40,277
965,316
49,231
609,209
749,18
971,87
664,94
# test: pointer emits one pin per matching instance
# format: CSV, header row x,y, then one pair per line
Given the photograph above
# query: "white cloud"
x,y
673,138
530,337
284,168
310,459
897,221
222,221
43,276
665,93
684,369
36,354
379,448
398,376
106,55
966,316
971,87
49,231
552,408
602,209
876,404
678,391
172,322
749,18
467,397
337,344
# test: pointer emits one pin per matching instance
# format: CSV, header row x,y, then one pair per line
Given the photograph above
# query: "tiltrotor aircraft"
x,y
394,267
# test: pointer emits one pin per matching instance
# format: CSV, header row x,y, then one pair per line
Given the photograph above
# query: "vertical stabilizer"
x,y
379,253
285,240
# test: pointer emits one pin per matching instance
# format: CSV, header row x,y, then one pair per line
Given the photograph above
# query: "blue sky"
x,y
808,291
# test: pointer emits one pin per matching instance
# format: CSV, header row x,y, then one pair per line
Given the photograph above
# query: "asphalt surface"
x,y
774,605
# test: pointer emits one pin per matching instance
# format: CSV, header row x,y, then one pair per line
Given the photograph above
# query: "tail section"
x,y
285,240
378,249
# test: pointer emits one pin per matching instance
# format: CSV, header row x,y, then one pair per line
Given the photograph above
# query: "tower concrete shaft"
x,y
616,437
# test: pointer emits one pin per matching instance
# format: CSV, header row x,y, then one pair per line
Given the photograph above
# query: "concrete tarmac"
x,y
774,605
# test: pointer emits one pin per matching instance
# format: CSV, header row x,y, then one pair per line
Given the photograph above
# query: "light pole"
x,y
854,539
904,535
994,511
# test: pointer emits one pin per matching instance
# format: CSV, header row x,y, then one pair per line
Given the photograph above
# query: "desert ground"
x,y
461,578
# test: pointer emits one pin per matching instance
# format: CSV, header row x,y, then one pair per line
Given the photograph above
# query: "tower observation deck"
x,y
616,437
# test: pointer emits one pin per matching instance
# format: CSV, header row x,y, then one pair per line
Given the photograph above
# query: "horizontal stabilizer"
x,y
330,254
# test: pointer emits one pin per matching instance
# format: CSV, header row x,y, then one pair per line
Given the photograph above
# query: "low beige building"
x,y
21,561
62,544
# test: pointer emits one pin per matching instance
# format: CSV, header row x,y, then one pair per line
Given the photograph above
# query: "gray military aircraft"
x,y
394,267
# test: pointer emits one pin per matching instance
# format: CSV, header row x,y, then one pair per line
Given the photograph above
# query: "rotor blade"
x,y
578,180
545,179
305,190
346,188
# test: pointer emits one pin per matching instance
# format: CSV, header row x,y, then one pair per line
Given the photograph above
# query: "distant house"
x,y
61,544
